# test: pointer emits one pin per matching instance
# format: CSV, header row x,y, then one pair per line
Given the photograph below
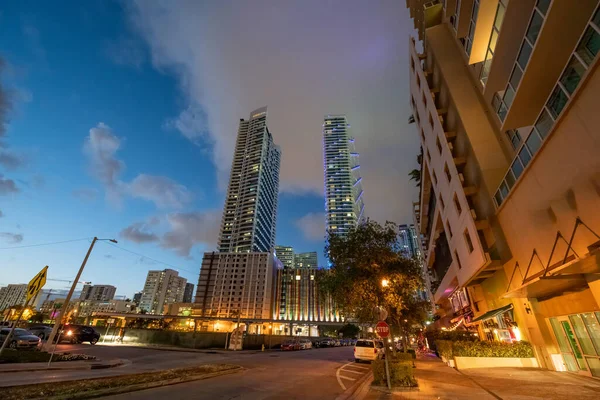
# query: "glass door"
x,y
568,348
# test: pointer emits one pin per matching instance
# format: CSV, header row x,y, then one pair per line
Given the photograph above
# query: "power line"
x,y
43,244
151,259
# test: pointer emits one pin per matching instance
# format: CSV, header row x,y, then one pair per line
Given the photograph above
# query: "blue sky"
x,y
124,115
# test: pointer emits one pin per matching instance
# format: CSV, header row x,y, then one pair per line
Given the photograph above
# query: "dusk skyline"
x,y
127,129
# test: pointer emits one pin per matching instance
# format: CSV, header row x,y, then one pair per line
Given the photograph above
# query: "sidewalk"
x,y
438,381
62,365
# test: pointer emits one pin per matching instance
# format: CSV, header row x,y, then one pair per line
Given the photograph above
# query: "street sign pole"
x,y
383,331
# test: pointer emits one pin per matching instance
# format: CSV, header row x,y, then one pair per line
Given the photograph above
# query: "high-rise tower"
x,y
250,211
343,189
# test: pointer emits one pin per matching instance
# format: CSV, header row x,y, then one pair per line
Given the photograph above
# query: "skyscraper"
x,y
161,288
98,292
306,260
285,254
344,204
407,236
188,293
250,212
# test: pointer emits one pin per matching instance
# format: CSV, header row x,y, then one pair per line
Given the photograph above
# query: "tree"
x,y
369,270
38,317
415,175
349,330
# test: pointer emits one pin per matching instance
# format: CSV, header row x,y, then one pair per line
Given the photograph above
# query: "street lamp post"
x,y
69,295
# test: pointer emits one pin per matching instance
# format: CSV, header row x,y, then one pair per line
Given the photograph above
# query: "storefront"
x,y
578,338
498,325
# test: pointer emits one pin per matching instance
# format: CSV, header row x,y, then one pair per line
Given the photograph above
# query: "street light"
x,y
68,299
385,283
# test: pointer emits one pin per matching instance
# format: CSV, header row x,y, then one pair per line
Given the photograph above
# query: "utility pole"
x,y
70,294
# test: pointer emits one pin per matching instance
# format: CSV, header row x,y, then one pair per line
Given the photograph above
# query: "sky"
x,y
118,120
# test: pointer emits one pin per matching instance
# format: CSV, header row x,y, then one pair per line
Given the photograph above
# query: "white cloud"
x,y
312,226
302,64
101,146
162,191
183,231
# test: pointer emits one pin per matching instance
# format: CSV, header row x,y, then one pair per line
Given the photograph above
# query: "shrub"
x,y
492,349
444,348
19,356
401,373
401,356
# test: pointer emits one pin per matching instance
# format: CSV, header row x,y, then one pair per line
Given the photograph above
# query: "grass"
x,y
81,388
31,356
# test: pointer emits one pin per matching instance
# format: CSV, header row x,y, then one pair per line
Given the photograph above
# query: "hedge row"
x,y
449,349
401,373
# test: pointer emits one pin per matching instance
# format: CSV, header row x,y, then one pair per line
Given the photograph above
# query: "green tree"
x,y
38,317
349,330
369,270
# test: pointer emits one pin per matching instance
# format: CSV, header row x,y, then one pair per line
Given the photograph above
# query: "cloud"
x,y
125,51
11,160
86,194
162,191
7,186
12,238
312,226
302,64
190,229
101,147
110,257
183,231
137,233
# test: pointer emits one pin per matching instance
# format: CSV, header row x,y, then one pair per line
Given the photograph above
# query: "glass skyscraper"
x,y
344,203
250,212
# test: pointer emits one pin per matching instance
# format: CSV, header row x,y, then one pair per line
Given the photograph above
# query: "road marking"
x,y
352,372
356,366
345,377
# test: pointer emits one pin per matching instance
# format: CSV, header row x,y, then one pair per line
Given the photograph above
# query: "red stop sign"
x,y
382,329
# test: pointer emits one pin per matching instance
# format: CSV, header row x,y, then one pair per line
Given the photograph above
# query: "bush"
x,y
400,356
401,373
444,349
20,356
492,349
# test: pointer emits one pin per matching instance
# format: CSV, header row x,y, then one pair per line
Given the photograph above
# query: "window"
x,y
524,55
434,177
442,202
431,121
424,99
533,142
428,156
423,136
418,81
447,172
557,101
535,26
517,168
457,205
457,260
514,137
487,63
473,23
468,241
438,144
572,76
544,123
449,229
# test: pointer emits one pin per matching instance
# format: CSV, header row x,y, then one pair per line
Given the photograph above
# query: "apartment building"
x,y
12,295
285,254
344,202
237,284
161,288
98,292
504,96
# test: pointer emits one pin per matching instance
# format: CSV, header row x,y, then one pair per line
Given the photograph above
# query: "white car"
x,y
368,350
305,344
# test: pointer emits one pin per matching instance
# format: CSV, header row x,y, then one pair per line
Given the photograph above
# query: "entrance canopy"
x,y
493,313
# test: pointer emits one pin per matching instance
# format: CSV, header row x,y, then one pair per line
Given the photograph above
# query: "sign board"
x,y
110,321
382,329
236,338
36,284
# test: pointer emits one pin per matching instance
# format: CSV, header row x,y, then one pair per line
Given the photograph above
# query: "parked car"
x,y
290,345
337,343
21,339
305,344
325,342
78,334
368,350
41,331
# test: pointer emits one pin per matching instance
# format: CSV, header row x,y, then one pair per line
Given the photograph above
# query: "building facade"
x,y
285,254
12,295
504,96
188,293
250,212
98,292
409,241
161,288
344,203
86,308
306,260
237,284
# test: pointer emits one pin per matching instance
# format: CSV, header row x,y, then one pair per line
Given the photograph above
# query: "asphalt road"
x,y
304,374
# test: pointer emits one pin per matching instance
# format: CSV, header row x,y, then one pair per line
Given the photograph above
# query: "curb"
x,y
81,367
141,386
359,390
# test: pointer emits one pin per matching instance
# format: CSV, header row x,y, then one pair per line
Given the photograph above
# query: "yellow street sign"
x,y
36,283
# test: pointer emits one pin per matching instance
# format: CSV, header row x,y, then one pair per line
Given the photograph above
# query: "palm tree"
x,y
415,175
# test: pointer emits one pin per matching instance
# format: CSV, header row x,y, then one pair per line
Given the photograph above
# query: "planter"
x,y
495,362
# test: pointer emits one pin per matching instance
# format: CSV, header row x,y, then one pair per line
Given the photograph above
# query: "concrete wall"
x,y
197,340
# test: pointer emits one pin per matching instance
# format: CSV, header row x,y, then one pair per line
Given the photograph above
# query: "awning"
x,y
493,313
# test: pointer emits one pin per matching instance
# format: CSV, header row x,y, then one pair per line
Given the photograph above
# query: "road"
x,y
305,374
